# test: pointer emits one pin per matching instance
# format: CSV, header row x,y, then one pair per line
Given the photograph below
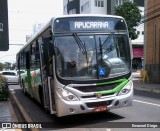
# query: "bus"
x,y
78,64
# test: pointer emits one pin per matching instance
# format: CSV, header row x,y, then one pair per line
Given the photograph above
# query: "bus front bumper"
x,y
65,108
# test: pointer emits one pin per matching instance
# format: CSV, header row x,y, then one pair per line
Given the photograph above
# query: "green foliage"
x,y
7,66
1,66
131,13
4,91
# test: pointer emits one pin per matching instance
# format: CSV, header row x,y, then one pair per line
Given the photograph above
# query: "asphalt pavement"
x,y
8,114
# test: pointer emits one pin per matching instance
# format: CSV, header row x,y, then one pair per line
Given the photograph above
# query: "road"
x,y
146,108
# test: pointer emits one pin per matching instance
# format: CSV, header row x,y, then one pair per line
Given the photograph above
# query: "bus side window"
x,y
47,57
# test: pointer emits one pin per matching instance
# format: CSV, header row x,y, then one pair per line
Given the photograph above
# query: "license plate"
x,y
99,109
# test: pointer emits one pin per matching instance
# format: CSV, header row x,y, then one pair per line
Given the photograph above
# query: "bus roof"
x,y
87,15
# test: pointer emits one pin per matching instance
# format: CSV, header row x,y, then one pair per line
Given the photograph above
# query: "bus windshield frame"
x,y
93,54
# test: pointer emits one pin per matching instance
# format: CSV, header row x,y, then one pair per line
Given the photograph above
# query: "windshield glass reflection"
x,y
91,56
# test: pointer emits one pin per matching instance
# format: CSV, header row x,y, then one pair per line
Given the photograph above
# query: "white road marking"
x,y
108,129
147,103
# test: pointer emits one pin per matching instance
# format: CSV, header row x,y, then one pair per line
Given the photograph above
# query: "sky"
x,y
22,15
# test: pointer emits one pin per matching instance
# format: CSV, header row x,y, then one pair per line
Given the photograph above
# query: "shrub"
x,y
4,91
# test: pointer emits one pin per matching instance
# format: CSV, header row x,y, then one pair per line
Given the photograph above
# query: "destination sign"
x,y
88,24
91,25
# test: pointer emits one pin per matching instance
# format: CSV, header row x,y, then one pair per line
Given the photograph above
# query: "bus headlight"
x,y
126,89
67,95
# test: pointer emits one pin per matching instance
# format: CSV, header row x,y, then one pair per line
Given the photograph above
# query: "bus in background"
x,y
78,64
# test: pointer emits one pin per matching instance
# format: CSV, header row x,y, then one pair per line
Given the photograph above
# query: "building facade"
x,y
152,40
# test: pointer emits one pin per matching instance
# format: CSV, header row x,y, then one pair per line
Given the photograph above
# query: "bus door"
x,y
47,75
29,85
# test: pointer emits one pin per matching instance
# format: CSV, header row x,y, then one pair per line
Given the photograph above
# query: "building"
x,y
152,40
36,27
85,7
107,7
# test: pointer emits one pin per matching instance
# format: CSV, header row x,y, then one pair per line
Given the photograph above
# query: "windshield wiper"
x,y
107,40
80,43
104,44
100,47
81,46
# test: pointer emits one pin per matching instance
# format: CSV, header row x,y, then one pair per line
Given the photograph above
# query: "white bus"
x,y
78,64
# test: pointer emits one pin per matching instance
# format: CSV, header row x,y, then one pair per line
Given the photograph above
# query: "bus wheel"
x,y
24,89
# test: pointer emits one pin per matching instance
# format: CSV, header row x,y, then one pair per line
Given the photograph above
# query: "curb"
x,y
148,90
148,87
13,114
25,115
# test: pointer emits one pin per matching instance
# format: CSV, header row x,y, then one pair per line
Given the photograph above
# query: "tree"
x,y
7,65
132,14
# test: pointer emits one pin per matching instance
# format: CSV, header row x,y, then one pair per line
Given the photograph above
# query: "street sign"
x,y
4,36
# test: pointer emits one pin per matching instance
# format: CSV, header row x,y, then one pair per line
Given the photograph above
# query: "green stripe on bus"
x,y
116,89
111,82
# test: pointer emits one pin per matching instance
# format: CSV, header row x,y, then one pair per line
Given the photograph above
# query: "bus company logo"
x,y
6,125
98,95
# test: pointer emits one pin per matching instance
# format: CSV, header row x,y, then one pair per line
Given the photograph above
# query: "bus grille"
x,y
96,88
98,104
91,96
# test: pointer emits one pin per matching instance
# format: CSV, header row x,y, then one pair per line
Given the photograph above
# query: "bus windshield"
x,y
93,56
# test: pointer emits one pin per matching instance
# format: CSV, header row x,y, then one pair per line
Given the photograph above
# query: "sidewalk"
x,y
139,85
7,114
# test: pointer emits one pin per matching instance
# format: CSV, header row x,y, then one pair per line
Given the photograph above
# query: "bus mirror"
x,y
131,50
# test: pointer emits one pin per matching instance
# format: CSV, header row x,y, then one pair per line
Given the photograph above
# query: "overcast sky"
x,y
23,14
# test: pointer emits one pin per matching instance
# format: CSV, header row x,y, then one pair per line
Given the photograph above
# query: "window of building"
x,y
102,3
73,11
99,3
142,32
65,8
119,2
85,7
